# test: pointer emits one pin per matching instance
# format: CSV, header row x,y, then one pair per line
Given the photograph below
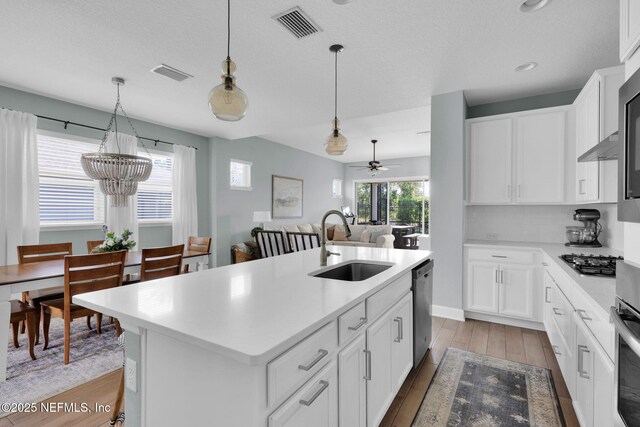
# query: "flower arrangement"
x,y
113,242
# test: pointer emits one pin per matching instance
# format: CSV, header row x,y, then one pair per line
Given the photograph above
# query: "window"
x,y
67,195
155,195
69,198
240,175
337,189
403,202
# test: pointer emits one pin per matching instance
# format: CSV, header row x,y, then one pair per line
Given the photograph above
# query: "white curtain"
x,y
19,184
185,202
126,218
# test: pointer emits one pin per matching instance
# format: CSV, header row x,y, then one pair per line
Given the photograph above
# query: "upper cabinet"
x,y
596,118
517,158
629,28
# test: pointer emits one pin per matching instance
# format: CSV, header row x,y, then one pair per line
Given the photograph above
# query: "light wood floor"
x,y
505,342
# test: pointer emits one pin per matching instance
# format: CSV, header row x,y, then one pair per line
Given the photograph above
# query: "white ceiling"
x,y
397,54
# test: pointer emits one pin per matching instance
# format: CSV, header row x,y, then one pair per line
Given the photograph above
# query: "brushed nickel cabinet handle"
x,y
363,321
583,315
321,354
555,350
499,256
545,264
546,295
557,312
367,360
399,320
582,349
502,276
323,387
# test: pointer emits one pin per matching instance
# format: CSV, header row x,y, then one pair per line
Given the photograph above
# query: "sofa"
x,y
379,236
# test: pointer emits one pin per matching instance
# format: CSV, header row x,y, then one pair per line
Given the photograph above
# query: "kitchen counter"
x,y
250,312
602,290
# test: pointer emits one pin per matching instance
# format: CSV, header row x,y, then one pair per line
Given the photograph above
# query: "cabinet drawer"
x,y
595,321
351,323
562,313
502,255
315,404
379,302
293,368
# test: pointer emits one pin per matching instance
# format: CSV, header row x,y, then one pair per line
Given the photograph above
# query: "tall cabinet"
x,y
629,28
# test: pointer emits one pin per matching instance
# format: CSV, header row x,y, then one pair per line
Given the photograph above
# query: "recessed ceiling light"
x,y
533,5
342,1
527,66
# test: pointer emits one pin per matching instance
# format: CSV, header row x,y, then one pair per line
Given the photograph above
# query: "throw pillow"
x,y
339,235
365,236
305,228
316,229
330,230
375,234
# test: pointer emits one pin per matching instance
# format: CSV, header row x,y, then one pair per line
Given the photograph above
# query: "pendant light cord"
x,y
336,91
228,29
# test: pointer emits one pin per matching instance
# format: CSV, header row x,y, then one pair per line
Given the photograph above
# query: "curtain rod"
x,y
67,123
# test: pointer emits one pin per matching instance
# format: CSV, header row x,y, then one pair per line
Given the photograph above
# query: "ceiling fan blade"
x,y
382,168
359,166
392,166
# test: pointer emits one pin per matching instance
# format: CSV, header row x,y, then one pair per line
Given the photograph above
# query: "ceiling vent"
x,y
296,21
170,72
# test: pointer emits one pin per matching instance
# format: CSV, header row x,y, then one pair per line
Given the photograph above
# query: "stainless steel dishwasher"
x,y
422,287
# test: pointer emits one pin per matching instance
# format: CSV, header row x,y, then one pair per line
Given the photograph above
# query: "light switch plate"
x,y
130,374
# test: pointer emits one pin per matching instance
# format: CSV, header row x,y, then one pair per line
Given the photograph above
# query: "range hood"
x,y
607,149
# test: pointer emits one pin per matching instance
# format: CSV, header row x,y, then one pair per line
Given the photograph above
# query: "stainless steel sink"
x,y
352,272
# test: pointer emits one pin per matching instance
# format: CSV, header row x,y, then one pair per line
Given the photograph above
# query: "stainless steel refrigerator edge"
x,y
422,287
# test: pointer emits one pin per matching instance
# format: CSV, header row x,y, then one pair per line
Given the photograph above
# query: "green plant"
x,y
113,242
255,230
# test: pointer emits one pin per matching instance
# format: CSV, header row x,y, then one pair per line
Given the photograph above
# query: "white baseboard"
x,y
447,312
505,320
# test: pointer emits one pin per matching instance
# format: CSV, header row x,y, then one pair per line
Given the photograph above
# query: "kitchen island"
x,y
260,343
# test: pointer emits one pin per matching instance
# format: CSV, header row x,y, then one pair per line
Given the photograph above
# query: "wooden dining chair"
x,y
82,273
198,244
91,244
161,262
23,312
299,241
270,243
28,254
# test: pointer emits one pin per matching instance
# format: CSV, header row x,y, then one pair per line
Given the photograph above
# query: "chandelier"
x,y
118,173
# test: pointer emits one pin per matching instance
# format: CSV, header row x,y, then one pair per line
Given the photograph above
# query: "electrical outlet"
x,y
131,375
492,236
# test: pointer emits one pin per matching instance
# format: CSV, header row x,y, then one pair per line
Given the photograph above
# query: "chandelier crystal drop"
x,y
117,173
336,143
227,101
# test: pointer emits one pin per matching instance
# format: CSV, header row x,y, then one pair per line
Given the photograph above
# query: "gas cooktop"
x,y
592,265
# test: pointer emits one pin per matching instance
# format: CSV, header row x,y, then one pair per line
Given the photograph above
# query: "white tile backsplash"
x,y
545,224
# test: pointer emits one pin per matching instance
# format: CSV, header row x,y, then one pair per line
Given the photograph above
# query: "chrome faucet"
x,y
324,253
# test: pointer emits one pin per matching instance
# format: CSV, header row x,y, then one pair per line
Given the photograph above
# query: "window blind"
x,y
155,195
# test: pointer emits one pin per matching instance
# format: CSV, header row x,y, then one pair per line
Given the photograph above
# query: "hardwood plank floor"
x,y
507,342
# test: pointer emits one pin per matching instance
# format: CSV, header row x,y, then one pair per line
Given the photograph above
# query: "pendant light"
x,y
227,101
118,174
336,143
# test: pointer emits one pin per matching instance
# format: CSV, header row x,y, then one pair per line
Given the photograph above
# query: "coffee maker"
x,y
585,236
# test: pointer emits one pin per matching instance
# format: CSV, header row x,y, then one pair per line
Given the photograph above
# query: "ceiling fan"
x,y
374,166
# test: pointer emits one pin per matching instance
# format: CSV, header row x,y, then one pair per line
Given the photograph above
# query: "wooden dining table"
x,y
17,278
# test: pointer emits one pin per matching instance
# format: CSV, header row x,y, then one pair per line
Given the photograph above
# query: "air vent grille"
x,y
170,72
297,22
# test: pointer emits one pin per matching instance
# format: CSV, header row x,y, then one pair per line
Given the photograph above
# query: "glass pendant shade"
x,y
227,101
336,143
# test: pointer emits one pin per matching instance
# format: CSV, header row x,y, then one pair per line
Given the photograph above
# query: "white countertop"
x,y
251,311
600,289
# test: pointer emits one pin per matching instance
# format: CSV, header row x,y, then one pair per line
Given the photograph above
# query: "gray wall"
x,y
523,104
234,209
448,113
149,236
409,166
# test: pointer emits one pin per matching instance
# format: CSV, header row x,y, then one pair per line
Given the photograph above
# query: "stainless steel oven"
x,y
629,150
626,319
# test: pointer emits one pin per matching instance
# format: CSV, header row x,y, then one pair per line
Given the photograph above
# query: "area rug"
x,y
472,390
91,356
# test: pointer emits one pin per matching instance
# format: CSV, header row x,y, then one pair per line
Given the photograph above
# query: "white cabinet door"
x,y
314,405
587,136
352,385
603,387
540,154
490,161
583,397
516,291
482,286
379,389
402,345
629,28
547,300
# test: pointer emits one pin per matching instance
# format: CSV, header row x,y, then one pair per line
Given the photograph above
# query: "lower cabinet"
x,y
352,384
593,399
516,291
314,405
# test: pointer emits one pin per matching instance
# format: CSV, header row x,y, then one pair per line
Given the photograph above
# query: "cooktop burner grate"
x,y
592,265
